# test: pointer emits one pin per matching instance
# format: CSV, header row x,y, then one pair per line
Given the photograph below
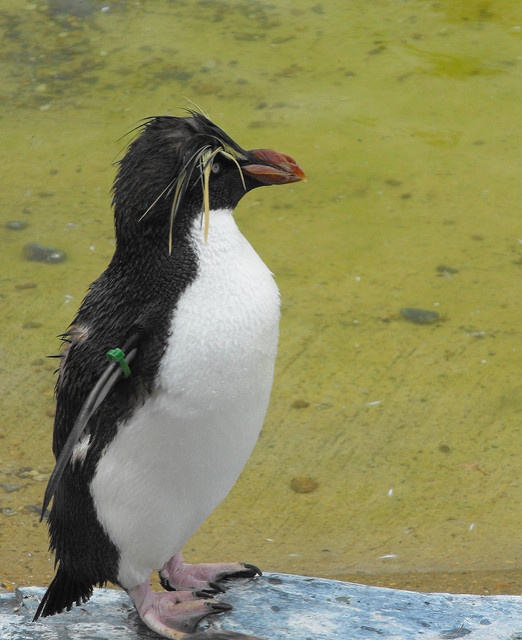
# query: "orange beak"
x,y
273,167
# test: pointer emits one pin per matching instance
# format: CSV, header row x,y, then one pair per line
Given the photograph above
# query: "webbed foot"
x,y
204,579
173,614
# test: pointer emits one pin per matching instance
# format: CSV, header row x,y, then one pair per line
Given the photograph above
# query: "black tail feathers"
x,y
64,591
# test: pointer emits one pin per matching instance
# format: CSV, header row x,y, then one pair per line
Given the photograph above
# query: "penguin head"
x,y
178,169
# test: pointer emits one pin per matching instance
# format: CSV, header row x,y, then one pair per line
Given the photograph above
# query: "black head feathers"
x,y
180,168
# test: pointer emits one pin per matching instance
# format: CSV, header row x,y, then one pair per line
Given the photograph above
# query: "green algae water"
x,y
391,450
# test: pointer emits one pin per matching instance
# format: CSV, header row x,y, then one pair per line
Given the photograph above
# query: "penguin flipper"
x,y
99,392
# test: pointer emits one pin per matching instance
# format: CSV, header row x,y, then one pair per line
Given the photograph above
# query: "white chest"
x,y
225,327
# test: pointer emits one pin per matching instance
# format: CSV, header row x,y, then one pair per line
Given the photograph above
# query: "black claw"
x,y
252,570
218,588
218,607
249,571
204,593
165,583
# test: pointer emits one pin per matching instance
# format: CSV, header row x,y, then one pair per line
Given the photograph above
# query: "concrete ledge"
x,y
285,607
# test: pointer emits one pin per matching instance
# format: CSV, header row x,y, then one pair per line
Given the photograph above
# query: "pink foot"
x,y
204,579
172,614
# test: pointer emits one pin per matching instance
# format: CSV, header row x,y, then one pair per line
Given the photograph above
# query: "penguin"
x,y
164,377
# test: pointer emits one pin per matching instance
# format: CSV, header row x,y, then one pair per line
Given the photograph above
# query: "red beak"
x,y
274,167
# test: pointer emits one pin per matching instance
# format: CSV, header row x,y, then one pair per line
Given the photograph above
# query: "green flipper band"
x,y
97,395
117,355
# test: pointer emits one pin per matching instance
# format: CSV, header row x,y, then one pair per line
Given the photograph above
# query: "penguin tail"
x,y
64,591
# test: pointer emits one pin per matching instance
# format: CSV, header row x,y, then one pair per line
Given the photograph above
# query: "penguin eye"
x,y
216,167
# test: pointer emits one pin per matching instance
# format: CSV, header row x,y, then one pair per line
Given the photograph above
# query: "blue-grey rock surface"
x,y
285,607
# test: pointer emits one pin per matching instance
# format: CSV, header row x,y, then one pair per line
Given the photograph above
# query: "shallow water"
x,y
391,451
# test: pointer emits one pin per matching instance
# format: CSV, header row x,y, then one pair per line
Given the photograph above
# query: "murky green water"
x,y
406,118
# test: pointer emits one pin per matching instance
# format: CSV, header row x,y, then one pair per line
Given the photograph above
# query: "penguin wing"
x,y
116,367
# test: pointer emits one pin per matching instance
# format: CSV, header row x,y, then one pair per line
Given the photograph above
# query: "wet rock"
x,y
41,477
420,316
10,486
72,8
445,269
16,225
35,252
273,604
303,484
300,404
25,472
33,508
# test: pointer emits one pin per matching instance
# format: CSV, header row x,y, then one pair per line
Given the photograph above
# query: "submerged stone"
x,y
16,225
35,252
420,316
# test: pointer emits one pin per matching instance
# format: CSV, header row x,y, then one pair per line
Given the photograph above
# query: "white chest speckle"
x,y
179,455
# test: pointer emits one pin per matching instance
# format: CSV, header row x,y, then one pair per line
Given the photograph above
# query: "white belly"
x,y
179,455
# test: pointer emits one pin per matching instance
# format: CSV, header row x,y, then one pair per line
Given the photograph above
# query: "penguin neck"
x,y
221,231
150,259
